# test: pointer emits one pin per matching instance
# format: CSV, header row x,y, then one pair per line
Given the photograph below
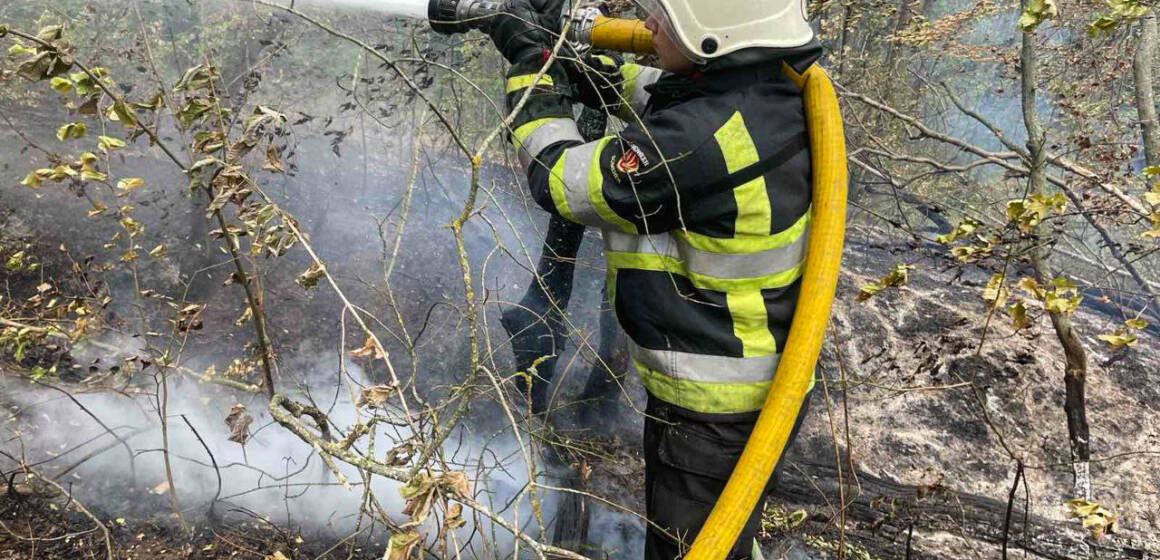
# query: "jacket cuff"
x,y
551,92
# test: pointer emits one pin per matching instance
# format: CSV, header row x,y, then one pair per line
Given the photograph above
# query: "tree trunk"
x,y
1075,369
842,38
1145,97
905,14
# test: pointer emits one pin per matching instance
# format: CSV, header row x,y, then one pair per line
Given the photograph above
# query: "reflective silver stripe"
x,y
575,178
638,97
717,265
705,367
555,130
657,244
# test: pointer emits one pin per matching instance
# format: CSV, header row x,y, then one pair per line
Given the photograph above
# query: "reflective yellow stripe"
x,y
751,323
753,213
673,265
736,144
745,245
520,134
596,190
630,72
703,396
700,396
516,83
556,187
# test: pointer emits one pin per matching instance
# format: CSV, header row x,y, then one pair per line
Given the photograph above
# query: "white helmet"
x,y
708,29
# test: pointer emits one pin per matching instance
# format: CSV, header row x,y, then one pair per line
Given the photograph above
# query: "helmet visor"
x,y
652,9
655,10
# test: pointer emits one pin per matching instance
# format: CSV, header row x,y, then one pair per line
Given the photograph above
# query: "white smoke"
x,y
406,8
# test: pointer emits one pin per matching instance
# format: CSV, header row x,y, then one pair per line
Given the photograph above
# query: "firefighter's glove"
x,y
525,30
597,80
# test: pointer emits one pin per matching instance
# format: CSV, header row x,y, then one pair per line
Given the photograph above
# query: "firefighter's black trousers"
x,y
688,458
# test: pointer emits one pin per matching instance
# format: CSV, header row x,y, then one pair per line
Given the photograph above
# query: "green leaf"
x,y
1136,324
996,292
197,78
122,113
193,111
1036,13
63,85
1122,12
1031,211
71,131
1061,304
94,176
898,276
207,142
19,50
1018,313
965,228
108,143
129,184
59,173
1119,340
1029,285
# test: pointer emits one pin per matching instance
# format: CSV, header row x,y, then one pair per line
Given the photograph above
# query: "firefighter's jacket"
x,y
703,200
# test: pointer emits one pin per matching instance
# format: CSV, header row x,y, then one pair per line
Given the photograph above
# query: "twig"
x,y
212,460
1010,506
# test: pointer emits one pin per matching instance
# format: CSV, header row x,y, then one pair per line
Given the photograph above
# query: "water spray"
x,y
588,26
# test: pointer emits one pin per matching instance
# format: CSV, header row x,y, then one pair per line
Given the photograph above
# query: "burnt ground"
x,y
39,523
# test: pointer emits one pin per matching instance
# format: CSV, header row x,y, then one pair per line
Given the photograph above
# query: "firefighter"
x,y
703,202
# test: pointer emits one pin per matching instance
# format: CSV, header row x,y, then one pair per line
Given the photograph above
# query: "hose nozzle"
x,y
460,16
589,27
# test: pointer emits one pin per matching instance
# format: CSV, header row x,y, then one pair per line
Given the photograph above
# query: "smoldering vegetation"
x,y
357,184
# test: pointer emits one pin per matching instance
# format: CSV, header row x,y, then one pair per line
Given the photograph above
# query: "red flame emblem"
x,y
629,162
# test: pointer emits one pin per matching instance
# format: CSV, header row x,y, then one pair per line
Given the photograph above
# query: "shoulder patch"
x,y
632,161
629,162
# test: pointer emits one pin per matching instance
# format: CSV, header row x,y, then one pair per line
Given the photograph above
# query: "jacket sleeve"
x,y
633,97
608,83
620,181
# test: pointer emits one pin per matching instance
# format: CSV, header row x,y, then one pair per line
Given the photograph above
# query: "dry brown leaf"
x,y
368,349
377,396
239,422
161,488
456,483
454,518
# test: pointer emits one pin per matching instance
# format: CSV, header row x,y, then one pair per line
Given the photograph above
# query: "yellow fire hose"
x,y
819,282
621,35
